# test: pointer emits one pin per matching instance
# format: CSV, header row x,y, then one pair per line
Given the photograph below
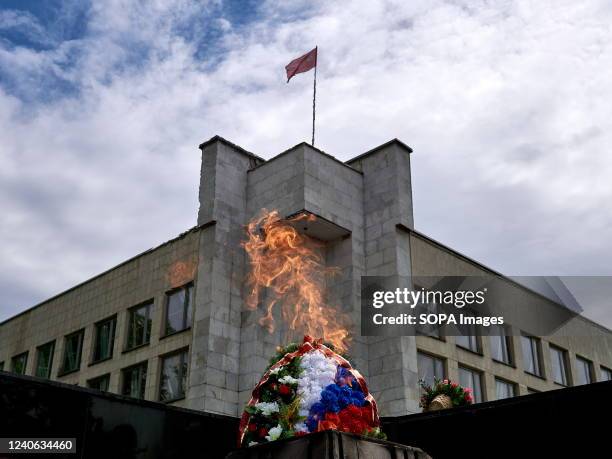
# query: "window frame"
x,y
112,319
145,366
148,305
435,358
37,362
63,370
438,331
103,377
565,359
605,373
509,345
477,339
180,352
24,354
513,385
481,382
188,304
589,367
537,355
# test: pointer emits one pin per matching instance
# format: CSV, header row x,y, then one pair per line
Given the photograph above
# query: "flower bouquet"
x,y
308,388
444,394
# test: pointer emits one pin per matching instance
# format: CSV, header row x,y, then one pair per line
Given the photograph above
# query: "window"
x,y
468,342
139,325
559,365
430,367
501,345
504,389
73,346
1,366
100,383
134,380
19,363
173,377
471,379
178,309
584,373
44,360
606,373
431,330
105,339
531,355
468,339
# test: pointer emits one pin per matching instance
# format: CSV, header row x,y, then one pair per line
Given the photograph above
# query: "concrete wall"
x,y
146,277
213,379
304,178
387,202
579,336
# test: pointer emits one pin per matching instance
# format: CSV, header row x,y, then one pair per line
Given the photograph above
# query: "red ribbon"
x,y
308,345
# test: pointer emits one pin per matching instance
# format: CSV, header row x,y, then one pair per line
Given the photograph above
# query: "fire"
x,y
289,268
180,272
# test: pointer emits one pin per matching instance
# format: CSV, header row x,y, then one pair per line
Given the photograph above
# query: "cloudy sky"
x,y
507,105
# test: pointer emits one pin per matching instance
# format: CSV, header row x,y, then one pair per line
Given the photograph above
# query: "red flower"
x,y
300,433
366,413
262,432
333,417
252,427
284,389
354,410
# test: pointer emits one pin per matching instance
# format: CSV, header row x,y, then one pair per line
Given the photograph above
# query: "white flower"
x,y
288,380
274,433
267,408
253,443
319,372
275,371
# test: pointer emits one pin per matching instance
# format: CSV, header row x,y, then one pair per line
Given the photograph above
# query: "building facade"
x,y
171,324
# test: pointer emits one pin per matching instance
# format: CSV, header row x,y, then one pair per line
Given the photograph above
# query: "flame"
x,y
180,273
288,267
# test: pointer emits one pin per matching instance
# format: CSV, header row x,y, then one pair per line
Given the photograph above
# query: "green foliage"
x,y
458,395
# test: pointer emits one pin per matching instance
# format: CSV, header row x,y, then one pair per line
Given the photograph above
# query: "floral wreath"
x,y
308,388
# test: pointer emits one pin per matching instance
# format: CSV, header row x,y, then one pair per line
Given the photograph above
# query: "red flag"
x,y
302,64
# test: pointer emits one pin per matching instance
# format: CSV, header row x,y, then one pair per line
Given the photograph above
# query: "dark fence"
x,y
567,423
107,425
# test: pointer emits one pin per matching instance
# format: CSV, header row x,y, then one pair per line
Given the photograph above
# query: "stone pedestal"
x,y
329,445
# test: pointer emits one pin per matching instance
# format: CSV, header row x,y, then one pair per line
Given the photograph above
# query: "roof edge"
x,y
396,141
473,261
218,138
106,271
306,144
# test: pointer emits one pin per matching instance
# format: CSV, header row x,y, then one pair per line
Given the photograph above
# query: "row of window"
x,y
177,317
431,367
502,351
172,381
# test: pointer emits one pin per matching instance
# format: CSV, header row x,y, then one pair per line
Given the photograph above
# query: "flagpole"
x,y
314,98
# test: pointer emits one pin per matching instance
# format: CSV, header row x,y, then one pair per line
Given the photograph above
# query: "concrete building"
x,y
170,324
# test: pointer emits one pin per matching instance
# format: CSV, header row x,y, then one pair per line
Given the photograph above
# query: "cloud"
x,y
506,104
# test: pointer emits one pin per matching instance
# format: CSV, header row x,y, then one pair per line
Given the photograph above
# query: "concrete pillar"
x,y
387,206
215,352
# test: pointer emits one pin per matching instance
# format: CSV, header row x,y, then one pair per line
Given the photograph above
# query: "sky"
x,y
507,105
